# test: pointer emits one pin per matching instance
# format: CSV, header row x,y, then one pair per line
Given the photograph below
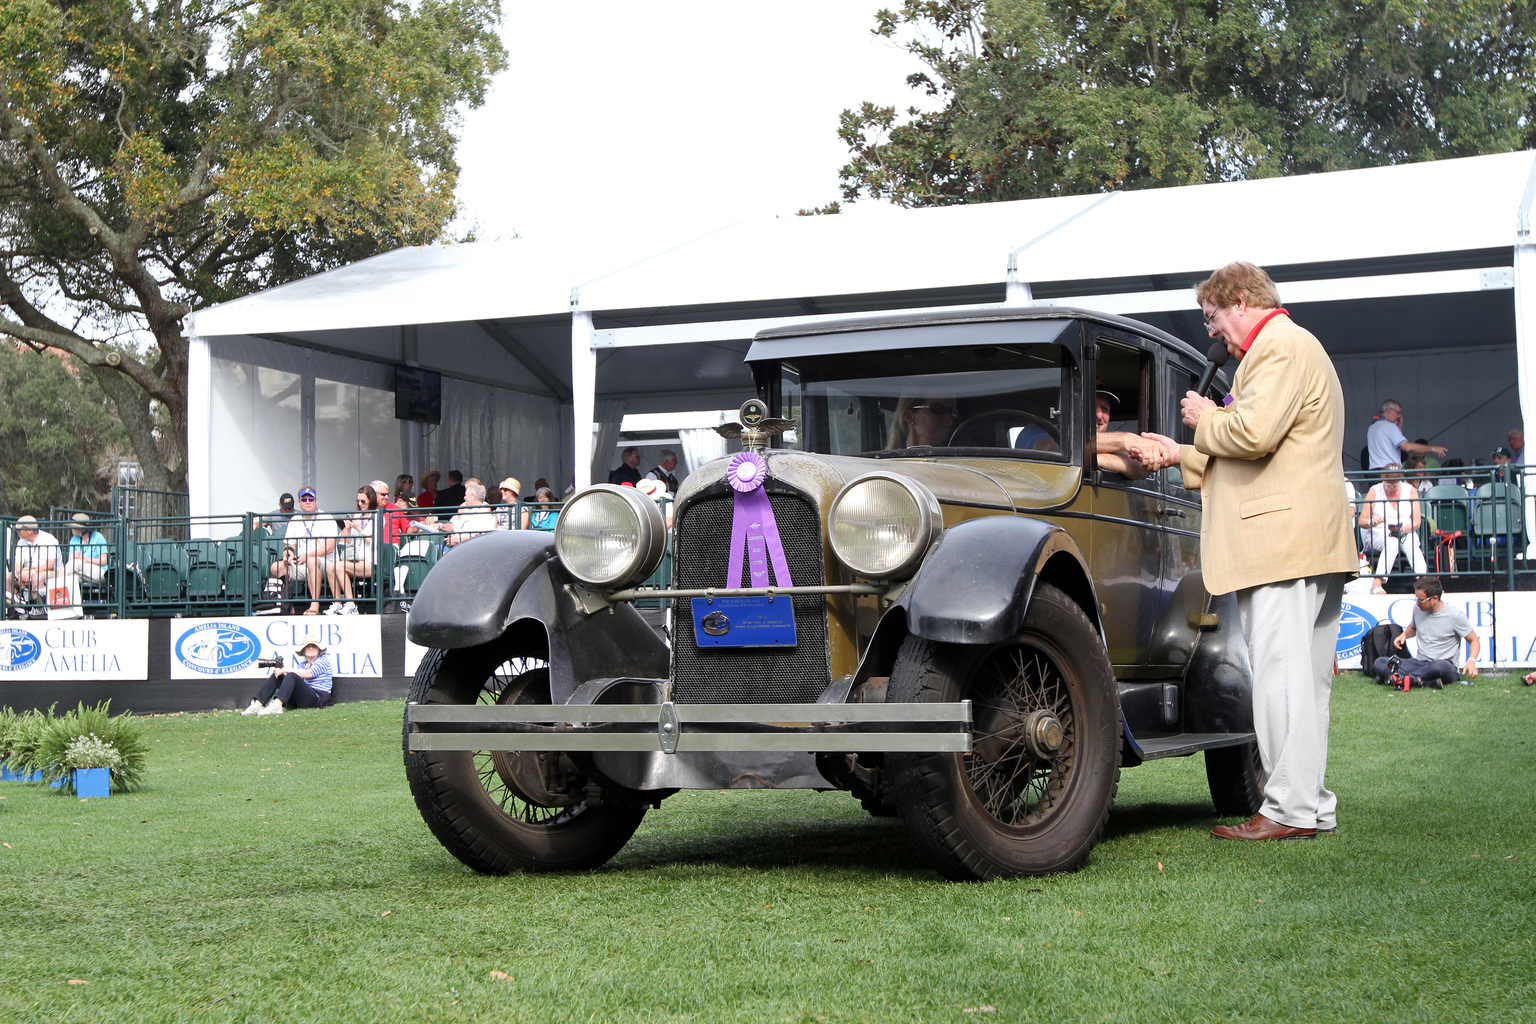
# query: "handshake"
x,y
1154,451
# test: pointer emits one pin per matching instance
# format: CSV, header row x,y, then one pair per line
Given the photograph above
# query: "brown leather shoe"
x,y
1259,827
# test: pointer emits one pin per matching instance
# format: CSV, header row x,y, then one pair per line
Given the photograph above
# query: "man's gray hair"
x,y
667,453
475,489
1391,405
380,488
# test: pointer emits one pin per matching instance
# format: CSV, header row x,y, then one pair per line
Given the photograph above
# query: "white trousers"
x,y
1389,546
1292,630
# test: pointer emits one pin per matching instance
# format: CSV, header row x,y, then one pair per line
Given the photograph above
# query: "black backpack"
x,y
1377,643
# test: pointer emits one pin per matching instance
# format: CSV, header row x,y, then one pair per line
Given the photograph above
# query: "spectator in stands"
x,y
380,491
1517,446
474,517
310,537
510,488
87,549
546,515
396,524
428,496
306,685
1413,472
1502,457
1441,630
1456,479
354,557
1385,441
628,470
663,470
276,521
33,561
1389,518
452,496
540,484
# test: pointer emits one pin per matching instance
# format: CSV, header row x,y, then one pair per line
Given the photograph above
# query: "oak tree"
x,y
156,157
1031,98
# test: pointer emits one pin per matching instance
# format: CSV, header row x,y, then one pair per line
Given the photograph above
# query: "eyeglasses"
x,y
1209,327
939,408
306,497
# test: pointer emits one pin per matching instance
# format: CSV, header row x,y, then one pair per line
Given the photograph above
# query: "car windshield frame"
x,y
986,372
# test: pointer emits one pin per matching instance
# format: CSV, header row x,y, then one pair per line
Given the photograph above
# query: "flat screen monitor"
x,y
418,395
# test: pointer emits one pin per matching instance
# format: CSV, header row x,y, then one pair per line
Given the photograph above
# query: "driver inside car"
x,y
922,422
1117,451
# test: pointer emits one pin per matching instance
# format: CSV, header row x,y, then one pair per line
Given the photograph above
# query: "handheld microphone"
x,y
1216,358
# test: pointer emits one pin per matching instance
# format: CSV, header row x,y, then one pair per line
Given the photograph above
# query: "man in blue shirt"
x,y
306,685
1385,441
87,549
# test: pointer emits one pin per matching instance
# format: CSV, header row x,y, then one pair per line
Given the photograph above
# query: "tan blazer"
x,y
1270,468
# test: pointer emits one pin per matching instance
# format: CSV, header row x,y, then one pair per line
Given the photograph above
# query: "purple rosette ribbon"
x,y
752,524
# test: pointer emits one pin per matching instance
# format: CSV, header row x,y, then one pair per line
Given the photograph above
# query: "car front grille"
x,y
749,674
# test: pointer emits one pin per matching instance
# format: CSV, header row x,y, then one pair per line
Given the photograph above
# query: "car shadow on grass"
x,y
878,845
1152,816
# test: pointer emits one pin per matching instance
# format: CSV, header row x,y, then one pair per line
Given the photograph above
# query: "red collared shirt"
x,y
1248,341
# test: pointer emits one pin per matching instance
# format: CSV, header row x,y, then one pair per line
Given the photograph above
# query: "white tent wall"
x,y
493,433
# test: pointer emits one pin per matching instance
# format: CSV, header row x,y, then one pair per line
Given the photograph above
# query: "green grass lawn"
x,y
276,869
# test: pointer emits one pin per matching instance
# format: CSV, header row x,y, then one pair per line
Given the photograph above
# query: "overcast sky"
x,y
669,118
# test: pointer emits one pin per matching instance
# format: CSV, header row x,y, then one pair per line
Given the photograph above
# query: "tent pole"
x,y
1525,331
199,416
583,391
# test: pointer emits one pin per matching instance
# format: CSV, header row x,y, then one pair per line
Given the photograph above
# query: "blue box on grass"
x,y
93,782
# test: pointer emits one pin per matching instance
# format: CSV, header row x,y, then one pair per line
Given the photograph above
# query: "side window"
x,y
1181,381
1122,409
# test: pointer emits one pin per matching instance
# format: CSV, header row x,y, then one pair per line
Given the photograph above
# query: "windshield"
x,y
991,396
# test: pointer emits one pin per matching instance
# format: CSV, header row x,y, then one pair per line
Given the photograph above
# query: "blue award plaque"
x,y
744,621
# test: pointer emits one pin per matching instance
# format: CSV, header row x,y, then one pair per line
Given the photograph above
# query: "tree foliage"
x,y
59,440
156,157
1031,98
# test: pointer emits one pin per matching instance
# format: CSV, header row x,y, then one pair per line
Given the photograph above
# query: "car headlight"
x,y
881,524
610,536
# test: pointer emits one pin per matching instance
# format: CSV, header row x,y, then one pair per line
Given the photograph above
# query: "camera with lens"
x,y
276,661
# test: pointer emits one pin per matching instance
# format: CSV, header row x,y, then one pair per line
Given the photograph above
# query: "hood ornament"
x,y
756,426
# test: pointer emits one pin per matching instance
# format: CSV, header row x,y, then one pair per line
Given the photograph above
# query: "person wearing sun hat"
x,y
306,685
87,549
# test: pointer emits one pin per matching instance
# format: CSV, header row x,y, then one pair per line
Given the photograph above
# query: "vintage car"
x,y
918,582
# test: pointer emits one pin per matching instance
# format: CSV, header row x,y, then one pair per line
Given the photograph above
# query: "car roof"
x,y
768,344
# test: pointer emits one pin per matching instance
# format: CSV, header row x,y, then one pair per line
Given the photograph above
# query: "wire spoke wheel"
x,y
1033,793
509,810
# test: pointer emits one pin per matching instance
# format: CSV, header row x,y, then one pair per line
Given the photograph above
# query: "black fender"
x,y
975,584
1218,684
516,584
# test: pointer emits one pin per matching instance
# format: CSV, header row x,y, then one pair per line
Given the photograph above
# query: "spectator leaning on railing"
x,y
474,518
87,549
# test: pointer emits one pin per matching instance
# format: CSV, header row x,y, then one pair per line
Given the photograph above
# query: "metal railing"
x,y
147,566
1469,521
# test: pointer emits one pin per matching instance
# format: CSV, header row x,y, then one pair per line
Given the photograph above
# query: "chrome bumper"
x,y
680,728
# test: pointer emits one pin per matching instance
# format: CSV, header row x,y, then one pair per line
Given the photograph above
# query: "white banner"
x,y
76,649
1505,622
228,648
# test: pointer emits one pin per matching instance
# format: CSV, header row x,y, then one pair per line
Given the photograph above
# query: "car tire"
x,y
1029,799
492,810
1236,777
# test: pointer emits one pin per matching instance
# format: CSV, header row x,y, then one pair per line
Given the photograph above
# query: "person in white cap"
x,y
36,555
306,685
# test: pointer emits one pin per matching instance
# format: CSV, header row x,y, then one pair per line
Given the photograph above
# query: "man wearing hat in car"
x,y
306,685
33,562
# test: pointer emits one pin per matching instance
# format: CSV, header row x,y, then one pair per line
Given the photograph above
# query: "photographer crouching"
x,y
306,685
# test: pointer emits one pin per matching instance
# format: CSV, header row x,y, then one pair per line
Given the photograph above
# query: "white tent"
x,y
1418,278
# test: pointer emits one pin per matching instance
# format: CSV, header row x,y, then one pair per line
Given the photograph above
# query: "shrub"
x,y
93,733
20,735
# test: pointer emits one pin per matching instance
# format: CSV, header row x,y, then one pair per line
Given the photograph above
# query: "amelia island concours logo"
x,y
18,649
1354,623
218,648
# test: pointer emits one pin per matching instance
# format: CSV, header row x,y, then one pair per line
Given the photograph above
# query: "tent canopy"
x,y
1408,274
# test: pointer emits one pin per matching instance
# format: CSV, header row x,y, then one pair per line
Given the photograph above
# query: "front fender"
x,y
975,584
465,599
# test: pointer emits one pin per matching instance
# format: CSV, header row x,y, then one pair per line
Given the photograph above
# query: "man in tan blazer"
x,y
1276,530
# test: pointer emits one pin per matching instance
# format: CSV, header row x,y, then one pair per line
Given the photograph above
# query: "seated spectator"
x,y
544,517
1454,479
1502,457
396,524
509,497
452,496
1440,630
354,557
1517,446
474,517
1414,467
33,561
1389,520
310,538
427,498
628,470
276,521
306,685
540,484
88,552
381,491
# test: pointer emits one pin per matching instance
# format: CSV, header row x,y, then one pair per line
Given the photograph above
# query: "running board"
x,y
1190,743
679,728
